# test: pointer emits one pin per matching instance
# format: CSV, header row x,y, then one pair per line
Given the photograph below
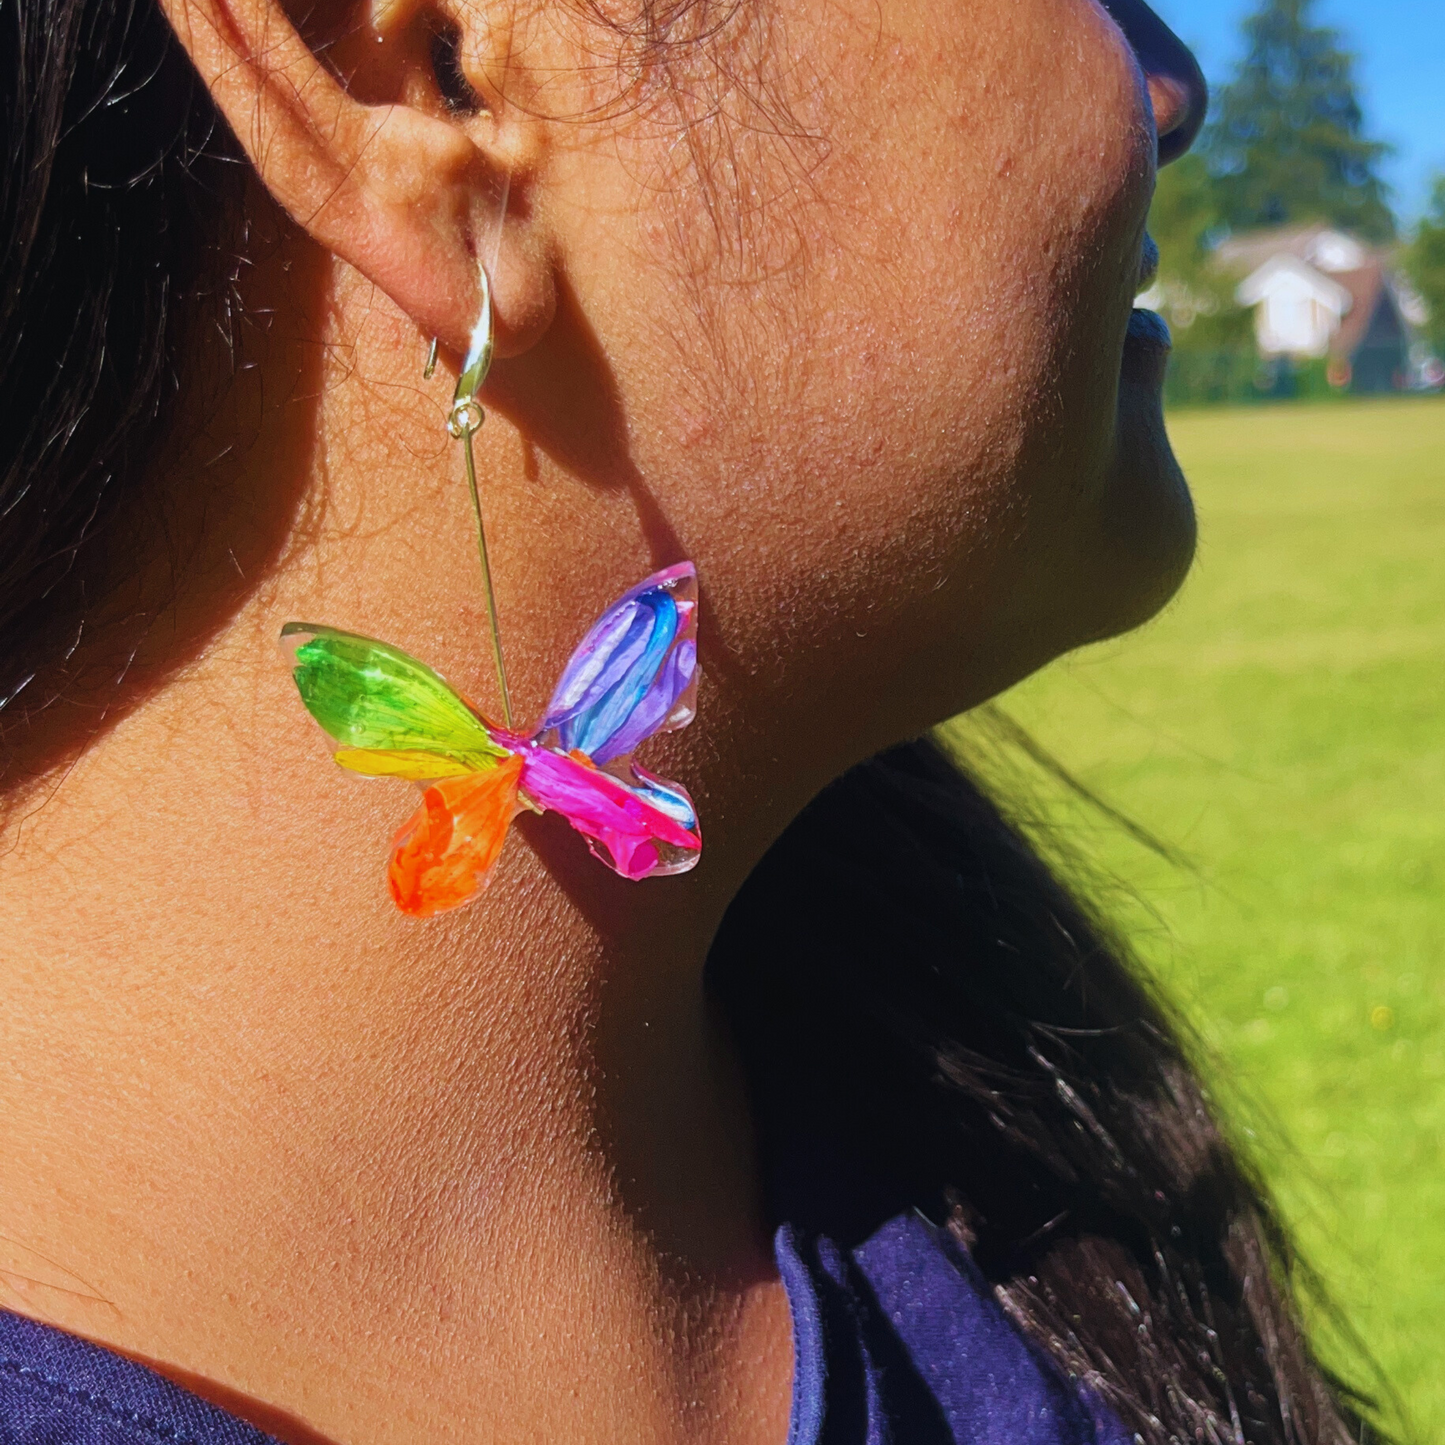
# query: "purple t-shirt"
x,y
897,1341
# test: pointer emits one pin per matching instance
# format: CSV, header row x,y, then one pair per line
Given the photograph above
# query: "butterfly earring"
x,y
633,675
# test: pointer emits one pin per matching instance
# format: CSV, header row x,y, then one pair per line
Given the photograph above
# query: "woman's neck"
x,y
397,1180
487,1176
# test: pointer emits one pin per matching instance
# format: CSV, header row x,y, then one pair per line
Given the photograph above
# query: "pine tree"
x,y
1287,143
1425,262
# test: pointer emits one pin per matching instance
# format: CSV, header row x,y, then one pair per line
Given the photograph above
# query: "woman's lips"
x,y
1148,264
1147,340
1146,348
1149,328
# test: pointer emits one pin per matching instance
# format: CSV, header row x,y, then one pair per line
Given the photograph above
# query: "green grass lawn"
x,y
1283,725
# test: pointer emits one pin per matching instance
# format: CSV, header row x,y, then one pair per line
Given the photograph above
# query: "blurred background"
x,y
1261,773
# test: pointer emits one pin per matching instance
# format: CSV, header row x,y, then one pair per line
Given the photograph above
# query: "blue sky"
x,y
1401,69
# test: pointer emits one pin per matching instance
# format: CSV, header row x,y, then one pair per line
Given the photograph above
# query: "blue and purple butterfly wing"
x,y
634,674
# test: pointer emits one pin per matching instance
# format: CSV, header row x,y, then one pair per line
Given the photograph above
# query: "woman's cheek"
x,y
909,408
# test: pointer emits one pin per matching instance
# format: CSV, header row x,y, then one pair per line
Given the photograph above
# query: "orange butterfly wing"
x,y
445,852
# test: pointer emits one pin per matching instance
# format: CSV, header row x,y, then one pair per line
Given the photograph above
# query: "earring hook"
x,y
463,421
466,413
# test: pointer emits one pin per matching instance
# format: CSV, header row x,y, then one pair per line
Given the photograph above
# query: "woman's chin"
x,y
1148,529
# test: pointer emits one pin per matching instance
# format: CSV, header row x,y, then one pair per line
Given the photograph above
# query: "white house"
x,y
1297,309
1320,292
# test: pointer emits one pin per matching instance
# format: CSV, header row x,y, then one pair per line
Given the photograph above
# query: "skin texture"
x,y
833,304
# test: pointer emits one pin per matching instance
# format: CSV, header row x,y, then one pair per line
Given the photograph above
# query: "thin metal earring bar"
x,y
463,421
466,440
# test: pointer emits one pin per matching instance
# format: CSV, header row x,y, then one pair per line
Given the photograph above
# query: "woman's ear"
x,y
391,156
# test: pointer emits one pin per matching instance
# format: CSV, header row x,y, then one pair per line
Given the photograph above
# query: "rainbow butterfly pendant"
x,y
633,676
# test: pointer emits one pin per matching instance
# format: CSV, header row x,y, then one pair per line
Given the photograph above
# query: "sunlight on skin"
x,y
877,379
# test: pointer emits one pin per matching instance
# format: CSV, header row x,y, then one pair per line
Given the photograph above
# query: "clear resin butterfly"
x,y
633,676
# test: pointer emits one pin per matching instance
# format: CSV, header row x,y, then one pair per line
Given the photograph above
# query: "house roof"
x,y
1322,246
1364,284
1283,271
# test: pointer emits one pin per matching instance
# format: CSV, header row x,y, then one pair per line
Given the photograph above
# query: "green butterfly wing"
x,y
392,715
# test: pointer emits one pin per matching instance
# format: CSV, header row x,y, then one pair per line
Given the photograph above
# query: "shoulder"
x,y
56,1389
898,1337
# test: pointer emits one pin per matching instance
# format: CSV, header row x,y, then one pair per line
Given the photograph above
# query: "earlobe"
x,y
378,163
524,290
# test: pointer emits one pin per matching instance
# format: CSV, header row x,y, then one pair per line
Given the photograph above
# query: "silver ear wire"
x,y
431,361
466,413
463,420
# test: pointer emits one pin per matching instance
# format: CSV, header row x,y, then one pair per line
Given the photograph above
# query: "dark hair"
x,y
116,176
904,964
902,961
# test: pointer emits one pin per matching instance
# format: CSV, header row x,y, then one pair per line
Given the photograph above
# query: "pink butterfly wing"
x,y
641,829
